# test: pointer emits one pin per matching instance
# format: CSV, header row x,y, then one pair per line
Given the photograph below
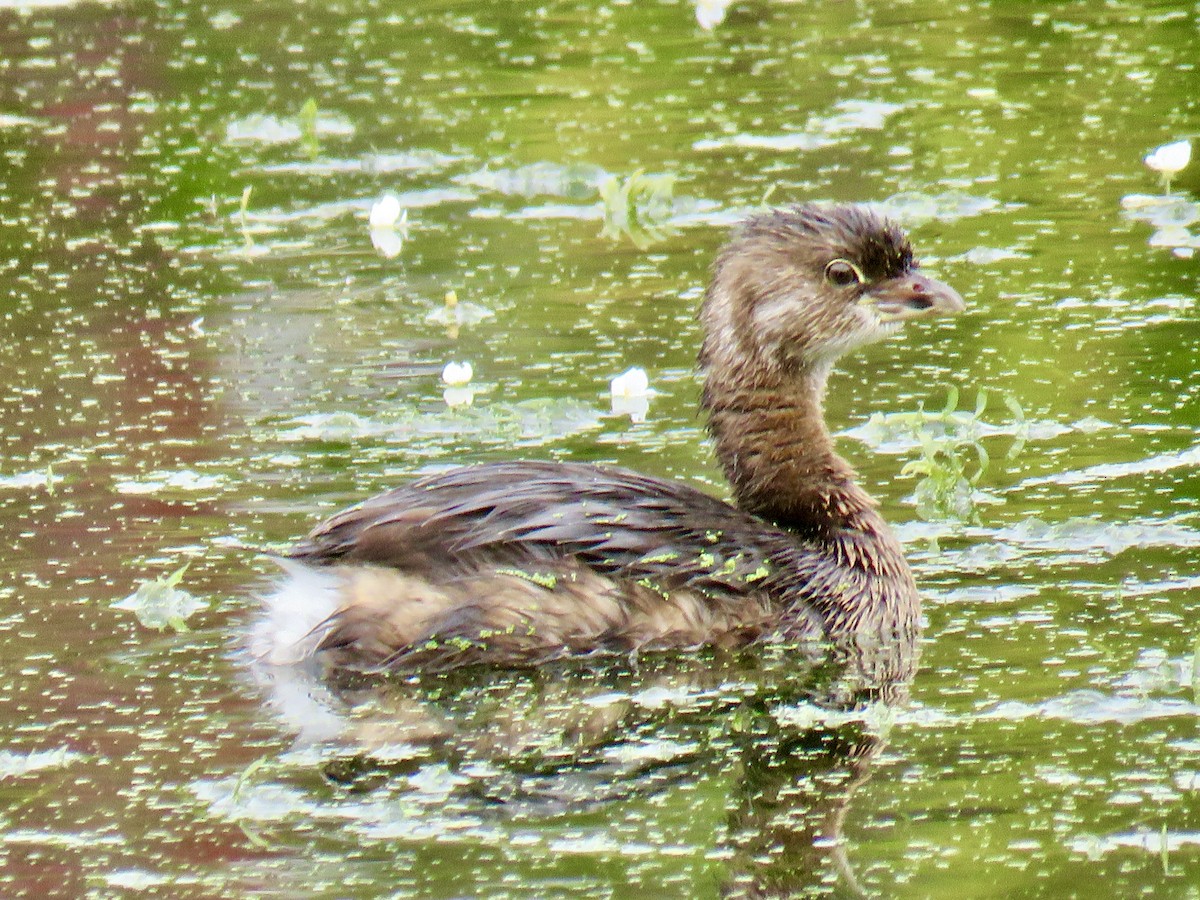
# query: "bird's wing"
x,y
525,514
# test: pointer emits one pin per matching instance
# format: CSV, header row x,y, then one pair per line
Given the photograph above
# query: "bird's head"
x,y
796,288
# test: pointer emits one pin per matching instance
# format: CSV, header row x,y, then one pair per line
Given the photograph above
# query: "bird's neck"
x,y
771,440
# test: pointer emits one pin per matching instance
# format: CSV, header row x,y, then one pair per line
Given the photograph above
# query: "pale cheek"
x,y
775,321
772,315
855,328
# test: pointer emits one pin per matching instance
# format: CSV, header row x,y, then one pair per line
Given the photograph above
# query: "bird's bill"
x,y
913,296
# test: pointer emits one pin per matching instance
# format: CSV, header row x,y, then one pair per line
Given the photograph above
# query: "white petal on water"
x,y
633,382
711,13
1170,158
637,408
457,374
385,212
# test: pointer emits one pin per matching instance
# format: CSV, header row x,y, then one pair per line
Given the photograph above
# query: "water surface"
x,y
202,348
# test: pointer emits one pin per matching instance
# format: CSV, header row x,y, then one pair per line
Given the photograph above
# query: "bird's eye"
x,y
843,273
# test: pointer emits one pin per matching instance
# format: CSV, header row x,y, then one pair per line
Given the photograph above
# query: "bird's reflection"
x,y
793,731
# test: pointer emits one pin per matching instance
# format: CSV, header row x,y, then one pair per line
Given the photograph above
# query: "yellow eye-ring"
x,y
843,273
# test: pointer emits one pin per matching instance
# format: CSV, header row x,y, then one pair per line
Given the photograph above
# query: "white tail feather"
x,y
289,628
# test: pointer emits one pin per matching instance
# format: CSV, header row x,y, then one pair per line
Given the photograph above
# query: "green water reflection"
x,y
186,368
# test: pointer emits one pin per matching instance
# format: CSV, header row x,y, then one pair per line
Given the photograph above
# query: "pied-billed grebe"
x,y
521,562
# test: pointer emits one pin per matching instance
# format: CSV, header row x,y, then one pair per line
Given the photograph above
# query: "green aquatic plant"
x,y
310,143
1196,670
161,603
638,207
947,490
243,216
953,458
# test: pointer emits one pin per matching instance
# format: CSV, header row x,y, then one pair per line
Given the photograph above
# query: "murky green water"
x,y
185,368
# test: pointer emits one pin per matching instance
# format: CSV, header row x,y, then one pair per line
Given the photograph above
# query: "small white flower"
x,y
386,212
457,374
711,13
631,394
631,383
1170,158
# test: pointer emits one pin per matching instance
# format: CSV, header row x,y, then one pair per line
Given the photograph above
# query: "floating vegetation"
x,y
1195,679
14,765
946,491
949,489
369,164
161,604
1077,540
310,142
24,480
639,207
531,422
878,718
1155,672
266,129
239,798
324,212
914,208
1093,707
454,312
249,248
1095,847
986,256
573,181
184,480
847,117
1172,218
905,431
1151,465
